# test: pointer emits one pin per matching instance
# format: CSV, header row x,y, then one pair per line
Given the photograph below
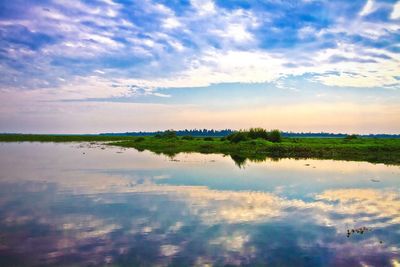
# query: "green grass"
x,y
359,149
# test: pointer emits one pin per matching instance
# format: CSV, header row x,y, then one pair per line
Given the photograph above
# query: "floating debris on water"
x,y
360,230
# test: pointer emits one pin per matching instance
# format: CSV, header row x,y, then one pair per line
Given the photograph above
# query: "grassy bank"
x,y
359,149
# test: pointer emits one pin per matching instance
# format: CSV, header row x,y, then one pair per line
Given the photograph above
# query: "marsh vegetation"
x,y
254,144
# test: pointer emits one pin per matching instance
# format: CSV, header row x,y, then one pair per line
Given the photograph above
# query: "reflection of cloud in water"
x,y
370,203
177,221
83,215
232,242
88,226
169,250
214,206
160,177
331,208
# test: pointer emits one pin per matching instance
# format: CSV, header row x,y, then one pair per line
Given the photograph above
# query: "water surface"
x,y
86,204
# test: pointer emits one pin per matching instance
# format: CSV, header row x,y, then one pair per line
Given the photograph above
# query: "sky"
x,y
117,65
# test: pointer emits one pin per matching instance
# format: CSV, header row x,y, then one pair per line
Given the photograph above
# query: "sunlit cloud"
x,y
396,11
368,8
102,49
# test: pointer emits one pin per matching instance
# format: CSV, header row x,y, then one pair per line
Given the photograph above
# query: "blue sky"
x,y
110,65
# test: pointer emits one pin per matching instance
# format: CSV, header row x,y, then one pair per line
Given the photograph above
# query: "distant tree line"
x,y
186,132
226,132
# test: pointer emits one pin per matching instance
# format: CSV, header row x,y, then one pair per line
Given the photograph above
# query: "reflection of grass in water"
x,y
360,149
359,230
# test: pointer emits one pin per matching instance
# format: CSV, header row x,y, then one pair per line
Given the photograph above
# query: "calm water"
x,y
81,204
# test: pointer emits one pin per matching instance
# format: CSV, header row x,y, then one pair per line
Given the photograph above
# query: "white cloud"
x,y
396,11
238,59
358,26
226,50
171,23
306,32
204,7
368,8
214,66
236,32
161,95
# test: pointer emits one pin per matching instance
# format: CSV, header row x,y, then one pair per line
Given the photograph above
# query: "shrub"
x,y
139,139
187,137
255,133
168,134
206,148
351,137
275,136
208,139
237,137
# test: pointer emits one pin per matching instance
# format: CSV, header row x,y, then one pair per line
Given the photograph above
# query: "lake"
x,y
84,204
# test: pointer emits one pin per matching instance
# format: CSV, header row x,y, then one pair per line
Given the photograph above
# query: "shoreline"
x,y
374,150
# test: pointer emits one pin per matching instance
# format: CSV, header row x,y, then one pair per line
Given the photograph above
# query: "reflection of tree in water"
x,y
169,154
240,161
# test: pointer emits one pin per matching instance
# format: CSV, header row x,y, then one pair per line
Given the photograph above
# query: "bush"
x,y
237,137
187,137
139,139
255,133
208,139
168,134
206,147
275,136
351,137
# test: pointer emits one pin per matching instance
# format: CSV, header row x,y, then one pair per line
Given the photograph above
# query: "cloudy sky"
x,y
118,65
